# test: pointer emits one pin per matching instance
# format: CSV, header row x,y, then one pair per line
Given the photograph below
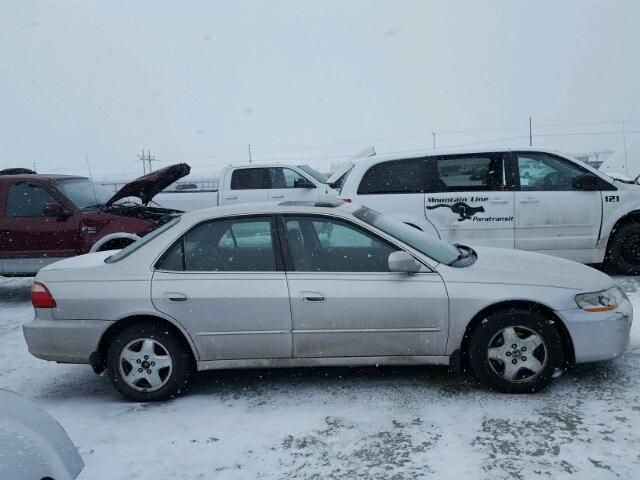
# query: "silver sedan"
x,y
307,285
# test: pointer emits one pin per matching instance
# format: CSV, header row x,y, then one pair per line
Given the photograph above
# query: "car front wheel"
x,y
515,351
148,363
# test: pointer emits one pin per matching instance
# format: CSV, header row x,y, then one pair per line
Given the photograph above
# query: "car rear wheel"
x,y
148,363
515,351
623,253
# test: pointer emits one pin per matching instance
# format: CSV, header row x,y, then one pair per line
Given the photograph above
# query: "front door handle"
x,y
230,197
175,297
277,196
313,297
530,200
498,200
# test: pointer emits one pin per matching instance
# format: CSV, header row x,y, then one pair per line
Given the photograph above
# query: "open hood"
x,y
149,185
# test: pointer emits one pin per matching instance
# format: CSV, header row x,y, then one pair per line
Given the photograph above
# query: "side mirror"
x,y
586,181
403,262
303,183
55,210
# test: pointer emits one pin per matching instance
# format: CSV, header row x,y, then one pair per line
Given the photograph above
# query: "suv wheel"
x,y
147,363
515,351
624,249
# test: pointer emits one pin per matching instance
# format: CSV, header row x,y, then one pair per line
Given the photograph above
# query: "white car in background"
x,y
527,199
255,183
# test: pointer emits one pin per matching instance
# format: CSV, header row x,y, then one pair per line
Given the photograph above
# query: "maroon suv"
x,y
44,218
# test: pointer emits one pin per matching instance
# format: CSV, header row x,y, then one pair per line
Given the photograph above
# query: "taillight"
x,y
347,200
41,296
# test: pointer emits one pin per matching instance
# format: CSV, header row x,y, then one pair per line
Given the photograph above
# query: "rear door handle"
x,y
313,297
277,196
530,200
175,297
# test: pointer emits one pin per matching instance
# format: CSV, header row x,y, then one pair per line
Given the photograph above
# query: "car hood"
x,y
149,185
517,267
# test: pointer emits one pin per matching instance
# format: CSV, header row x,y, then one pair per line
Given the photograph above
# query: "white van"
x,y
529,199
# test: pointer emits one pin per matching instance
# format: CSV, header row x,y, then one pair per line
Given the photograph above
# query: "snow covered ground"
x,y
362,423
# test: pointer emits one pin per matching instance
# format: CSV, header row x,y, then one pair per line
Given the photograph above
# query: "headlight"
x,y
602,301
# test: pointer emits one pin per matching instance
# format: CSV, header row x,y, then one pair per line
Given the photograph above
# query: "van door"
x,y
245,185
470,198
551,214
288,185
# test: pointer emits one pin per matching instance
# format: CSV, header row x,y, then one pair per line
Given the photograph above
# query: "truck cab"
x,y
528,199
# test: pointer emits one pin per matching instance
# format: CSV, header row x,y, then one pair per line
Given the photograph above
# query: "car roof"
x,y
339,208
41,176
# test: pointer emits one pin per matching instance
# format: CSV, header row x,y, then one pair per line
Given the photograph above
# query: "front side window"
x,y
286,178
230,245
27,200
398,176
320,244
249,179
543,172
478,172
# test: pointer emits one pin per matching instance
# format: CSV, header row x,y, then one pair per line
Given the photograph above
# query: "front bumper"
x,y
64,341
599,336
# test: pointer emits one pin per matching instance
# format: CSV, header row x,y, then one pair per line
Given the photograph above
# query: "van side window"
x,y
249,179
27,200
477,172
398,176
542,172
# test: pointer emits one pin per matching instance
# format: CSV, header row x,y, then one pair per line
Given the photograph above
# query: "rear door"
x,y
551,214
29,239
470,198
286,184
246,185
346,303
225,283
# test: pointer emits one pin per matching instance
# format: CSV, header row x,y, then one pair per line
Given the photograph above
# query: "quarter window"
x,y
539,171
318,244
233,245
249,179
398,176
27,200
469,173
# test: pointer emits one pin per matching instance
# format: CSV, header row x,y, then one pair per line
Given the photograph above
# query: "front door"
x,y
470,199
289,185
29,239
346,303
224,282
551,215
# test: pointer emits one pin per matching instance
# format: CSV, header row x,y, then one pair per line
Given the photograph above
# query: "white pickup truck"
x,y
255,183
529,199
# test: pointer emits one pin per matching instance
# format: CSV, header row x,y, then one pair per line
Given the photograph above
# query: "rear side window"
x,y
27,200
398,176
231,245
477,172
249,179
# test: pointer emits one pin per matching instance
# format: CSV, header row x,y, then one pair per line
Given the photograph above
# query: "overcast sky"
x,y
317,80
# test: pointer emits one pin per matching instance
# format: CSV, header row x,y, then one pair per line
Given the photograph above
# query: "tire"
x,y
154,349
623,253
499,367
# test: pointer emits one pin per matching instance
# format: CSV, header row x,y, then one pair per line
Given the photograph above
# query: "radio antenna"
x,y
93,185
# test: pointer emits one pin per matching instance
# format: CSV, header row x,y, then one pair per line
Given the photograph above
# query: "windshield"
x,y
129,249
83,192
321,177
432,247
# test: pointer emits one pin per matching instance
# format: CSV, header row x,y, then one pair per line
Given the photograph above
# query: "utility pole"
x,y
434,139
142,158
624,144
530,134
150,159
249,154
34,166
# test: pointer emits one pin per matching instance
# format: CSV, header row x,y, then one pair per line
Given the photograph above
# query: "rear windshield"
x,y
432,247
128,250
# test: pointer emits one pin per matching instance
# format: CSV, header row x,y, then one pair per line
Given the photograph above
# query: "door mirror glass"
x,y
54,210
586,181
403,262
